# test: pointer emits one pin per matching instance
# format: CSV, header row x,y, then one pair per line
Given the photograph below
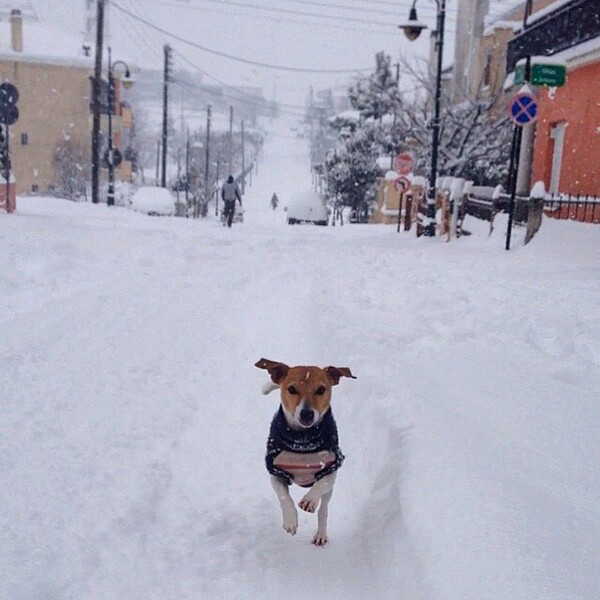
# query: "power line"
x,y
331,6
138,32
286,20
335,18
248,98
282,11
229,56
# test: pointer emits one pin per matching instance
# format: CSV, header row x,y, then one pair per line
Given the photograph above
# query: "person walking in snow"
x,y
230,192
274,201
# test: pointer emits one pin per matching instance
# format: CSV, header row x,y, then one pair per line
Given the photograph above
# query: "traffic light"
x,y
3,150
9,114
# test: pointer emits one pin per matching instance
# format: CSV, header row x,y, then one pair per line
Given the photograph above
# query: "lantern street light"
x,y
412,29
127,82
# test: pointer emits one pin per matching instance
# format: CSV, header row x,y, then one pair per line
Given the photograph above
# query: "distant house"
x,y
52,71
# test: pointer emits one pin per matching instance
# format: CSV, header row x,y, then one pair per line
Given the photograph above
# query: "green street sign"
x,y
542,74
550,75
519,77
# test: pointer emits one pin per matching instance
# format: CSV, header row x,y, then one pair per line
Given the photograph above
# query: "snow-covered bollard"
x,y
456,195
535,210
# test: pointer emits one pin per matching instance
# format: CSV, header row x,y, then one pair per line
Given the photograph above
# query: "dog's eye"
x,y
292,390
320,390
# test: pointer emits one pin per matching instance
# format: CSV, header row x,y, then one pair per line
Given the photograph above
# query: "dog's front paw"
x,y
290,519
308,503
320,539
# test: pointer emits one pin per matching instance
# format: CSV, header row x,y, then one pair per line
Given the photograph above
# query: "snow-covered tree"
x,y
376,95
351,171
71,169
474,142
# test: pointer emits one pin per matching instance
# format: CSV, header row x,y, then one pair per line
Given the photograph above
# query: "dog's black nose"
x,y
307,415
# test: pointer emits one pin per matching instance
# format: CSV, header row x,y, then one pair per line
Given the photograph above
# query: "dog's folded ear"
x,y
335,373
277,370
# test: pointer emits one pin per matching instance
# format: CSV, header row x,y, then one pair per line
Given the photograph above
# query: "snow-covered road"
x,y
133,429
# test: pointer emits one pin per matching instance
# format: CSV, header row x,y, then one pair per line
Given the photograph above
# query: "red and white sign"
x,y
403,163
401,184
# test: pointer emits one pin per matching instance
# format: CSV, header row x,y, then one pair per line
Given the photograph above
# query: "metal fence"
x,y
585,209
484,205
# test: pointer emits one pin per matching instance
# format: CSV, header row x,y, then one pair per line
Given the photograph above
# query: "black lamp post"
x,y
127,82
412,29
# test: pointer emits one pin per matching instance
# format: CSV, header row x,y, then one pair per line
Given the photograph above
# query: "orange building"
x,y
567,144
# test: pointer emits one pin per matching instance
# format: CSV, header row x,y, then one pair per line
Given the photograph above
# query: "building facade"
x,y
51,141
566,146
54,97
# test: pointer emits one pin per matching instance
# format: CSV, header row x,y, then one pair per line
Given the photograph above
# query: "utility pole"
x,y
207,162
243,162
157,162
166,79
96,104
217,185
395,115
187,167
230,158
110,196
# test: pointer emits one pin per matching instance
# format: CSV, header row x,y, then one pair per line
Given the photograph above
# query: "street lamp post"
x,y
218,165
412,29
127,82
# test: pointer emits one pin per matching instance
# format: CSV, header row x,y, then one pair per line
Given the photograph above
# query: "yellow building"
x,y
51,141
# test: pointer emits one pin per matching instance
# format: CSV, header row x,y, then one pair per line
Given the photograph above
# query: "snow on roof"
x,y
383,162
346,115
42,44
506,19
580,54
492,26
538,14
544,60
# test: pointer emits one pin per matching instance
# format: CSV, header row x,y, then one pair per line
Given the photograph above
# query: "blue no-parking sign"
x,y
523,109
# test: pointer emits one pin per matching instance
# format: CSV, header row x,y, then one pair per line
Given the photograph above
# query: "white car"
x,y
307,207
154,201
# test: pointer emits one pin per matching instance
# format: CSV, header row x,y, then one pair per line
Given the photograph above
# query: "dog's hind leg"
x,y
288,510
320,538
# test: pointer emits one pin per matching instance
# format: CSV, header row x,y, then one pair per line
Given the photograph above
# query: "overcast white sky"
x,y
280,32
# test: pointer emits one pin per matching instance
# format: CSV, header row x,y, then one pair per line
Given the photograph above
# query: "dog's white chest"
x,y
304,467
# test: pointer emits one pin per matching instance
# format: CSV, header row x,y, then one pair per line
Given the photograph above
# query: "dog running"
x,y
303,446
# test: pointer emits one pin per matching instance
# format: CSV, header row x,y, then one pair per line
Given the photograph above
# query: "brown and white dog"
x,y
303,445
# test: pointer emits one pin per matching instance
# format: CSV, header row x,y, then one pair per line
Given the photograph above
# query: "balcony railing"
x,y
570,25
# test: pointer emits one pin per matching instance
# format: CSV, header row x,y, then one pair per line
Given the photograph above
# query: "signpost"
x,y
401,185
403,163
523,111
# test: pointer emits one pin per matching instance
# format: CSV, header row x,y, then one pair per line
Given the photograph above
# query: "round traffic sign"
x,y
523,109
9,94
117,157
401,184
403,163
9,114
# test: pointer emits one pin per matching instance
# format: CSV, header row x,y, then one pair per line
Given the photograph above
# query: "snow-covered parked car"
x,y
154,201
307,207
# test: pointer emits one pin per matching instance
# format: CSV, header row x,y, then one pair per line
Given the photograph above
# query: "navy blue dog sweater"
x,y
322,436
